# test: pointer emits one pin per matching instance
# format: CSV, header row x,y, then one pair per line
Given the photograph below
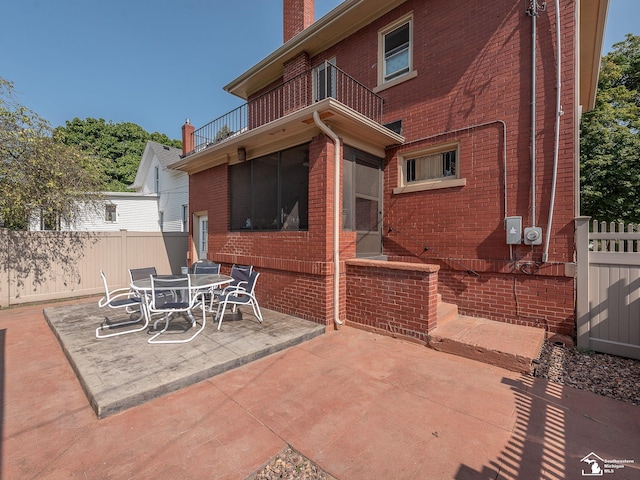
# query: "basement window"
x,y
428,169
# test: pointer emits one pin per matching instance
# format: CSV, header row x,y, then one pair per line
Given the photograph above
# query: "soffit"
x,y
344,20
292,130
593,17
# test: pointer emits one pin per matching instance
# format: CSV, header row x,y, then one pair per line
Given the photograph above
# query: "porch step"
x,y
513,347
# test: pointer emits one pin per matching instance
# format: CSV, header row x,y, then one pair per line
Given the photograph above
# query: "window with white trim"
x,y
436,167
395,45
110,213
185,218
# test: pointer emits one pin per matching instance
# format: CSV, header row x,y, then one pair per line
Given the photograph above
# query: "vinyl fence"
x,y
608,287
41,266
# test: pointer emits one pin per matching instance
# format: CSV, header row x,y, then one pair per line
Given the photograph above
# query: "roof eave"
x,y
593,18
347,18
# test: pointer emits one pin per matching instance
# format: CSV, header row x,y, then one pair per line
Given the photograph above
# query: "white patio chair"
x,y
191,299
239,295
120,298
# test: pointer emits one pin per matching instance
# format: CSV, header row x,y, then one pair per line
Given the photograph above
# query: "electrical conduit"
x,y
556,145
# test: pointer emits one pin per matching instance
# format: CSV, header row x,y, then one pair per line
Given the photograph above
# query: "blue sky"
x,y
155,62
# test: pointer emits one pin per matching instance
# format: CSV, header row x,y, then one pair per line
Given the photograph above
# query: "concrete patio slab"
x,y
121,372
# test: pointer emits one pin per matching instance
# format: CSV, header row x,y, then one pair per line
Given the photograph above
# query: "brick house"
x,y
395,153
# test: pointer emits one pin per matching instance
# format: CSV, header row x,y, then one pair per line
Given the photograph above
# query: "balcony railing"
x,y
301,91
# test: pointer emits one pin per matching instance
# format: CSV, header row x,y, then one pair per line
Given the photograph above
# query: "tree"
x,y
39,173
119,146
610,139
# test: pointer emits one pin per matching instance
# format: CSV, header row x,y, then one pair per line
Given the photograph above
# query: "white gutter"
x,y
336,216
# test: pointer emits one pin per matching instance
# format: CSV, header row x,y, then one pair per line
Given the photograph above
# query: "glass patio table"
x,y
198,284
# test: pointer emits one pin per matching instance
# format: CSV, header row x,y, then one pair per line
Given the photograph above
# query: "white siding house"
x,y
159,202
171,186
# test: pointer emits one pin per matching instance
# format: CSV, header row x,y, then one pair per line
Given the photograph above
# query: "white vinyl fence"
x,y
608,287
42,266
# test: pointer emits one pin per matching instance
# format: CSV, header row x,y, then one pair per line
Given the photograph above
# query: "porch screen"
x,y
271,192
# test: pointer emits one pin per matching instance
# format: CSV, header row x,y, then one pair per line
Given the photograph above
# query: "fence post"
x,y
582,282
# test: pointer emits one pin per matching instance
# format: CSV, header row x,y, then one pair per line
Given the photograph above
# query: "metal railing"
x,y
295,94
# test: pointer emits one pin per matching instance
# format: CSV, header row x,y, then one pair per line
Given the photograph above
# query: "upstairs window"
x,y
156,180
395,52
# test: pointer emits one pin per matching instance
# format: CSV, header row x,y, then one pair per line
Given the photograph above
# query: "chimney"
x,y
187,138
298,15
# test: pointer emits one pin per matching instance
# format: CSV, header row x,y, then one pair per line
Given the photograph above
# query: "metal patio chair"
x,y
146,272
121,298
205,267
190,299
239,295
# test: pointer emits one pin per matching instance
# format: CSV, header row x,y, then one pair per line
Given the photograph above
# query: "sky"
x,y
156,62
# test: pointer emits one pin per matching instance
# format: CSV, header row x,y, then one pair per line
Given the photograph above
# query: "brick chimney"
x,y
298,15
187,138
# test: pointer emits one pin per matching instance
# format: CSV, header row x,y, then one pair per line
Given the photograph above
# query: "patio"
x,y
122,372
359,405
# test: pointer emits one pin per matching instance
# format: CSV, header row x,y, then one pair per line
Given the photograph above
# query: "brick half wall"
x,y
393,298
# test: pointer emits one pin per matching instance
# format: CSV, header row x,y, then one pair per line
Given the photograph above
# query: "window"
x,y
110,214
271,192
185,218
430,168
395,53
324,80
156,179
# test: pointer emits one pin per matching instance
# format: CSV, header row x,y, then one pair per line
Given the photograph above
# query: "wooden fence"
x,y
608,287
42,266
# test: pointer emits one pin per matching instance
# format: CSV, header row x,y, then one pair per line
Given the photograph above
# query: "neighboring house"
x,y
413,131
170,186
116,211
159,203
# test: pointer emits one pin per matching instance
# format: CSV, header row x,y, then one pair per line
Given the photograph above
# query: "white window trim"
x,y
382,85
433,183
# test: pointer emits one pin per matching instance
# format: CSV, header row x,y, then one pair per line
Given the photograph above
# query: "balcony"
x,y
325,81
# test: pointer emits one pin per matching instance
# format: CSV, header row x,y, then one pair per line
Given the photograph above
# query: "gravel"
x,y
607,375
603,374
289,465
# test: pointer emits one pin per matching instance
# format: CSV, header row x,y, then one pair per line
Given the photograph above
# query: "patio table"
x,y
198,283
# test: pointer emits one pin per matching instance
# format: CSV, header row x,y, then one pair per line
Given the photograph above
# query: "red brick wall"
x,y
473,64
392,298
296,267
473,78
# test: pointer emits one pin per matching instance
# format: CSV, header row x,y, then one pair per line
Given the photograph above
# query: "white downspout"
x,y
559,112
336,217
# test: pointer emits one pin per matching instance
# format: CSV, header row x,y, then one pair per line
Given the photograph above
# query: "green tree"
x,y
610,139
118,145
39,173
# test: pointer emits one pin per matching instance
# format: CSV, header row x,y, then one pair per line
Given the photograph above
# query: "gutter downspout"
x,y
559,113
336,216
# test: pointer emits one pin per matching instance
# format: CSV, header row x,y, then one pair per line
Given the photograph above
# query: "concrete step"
x,y
513,347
